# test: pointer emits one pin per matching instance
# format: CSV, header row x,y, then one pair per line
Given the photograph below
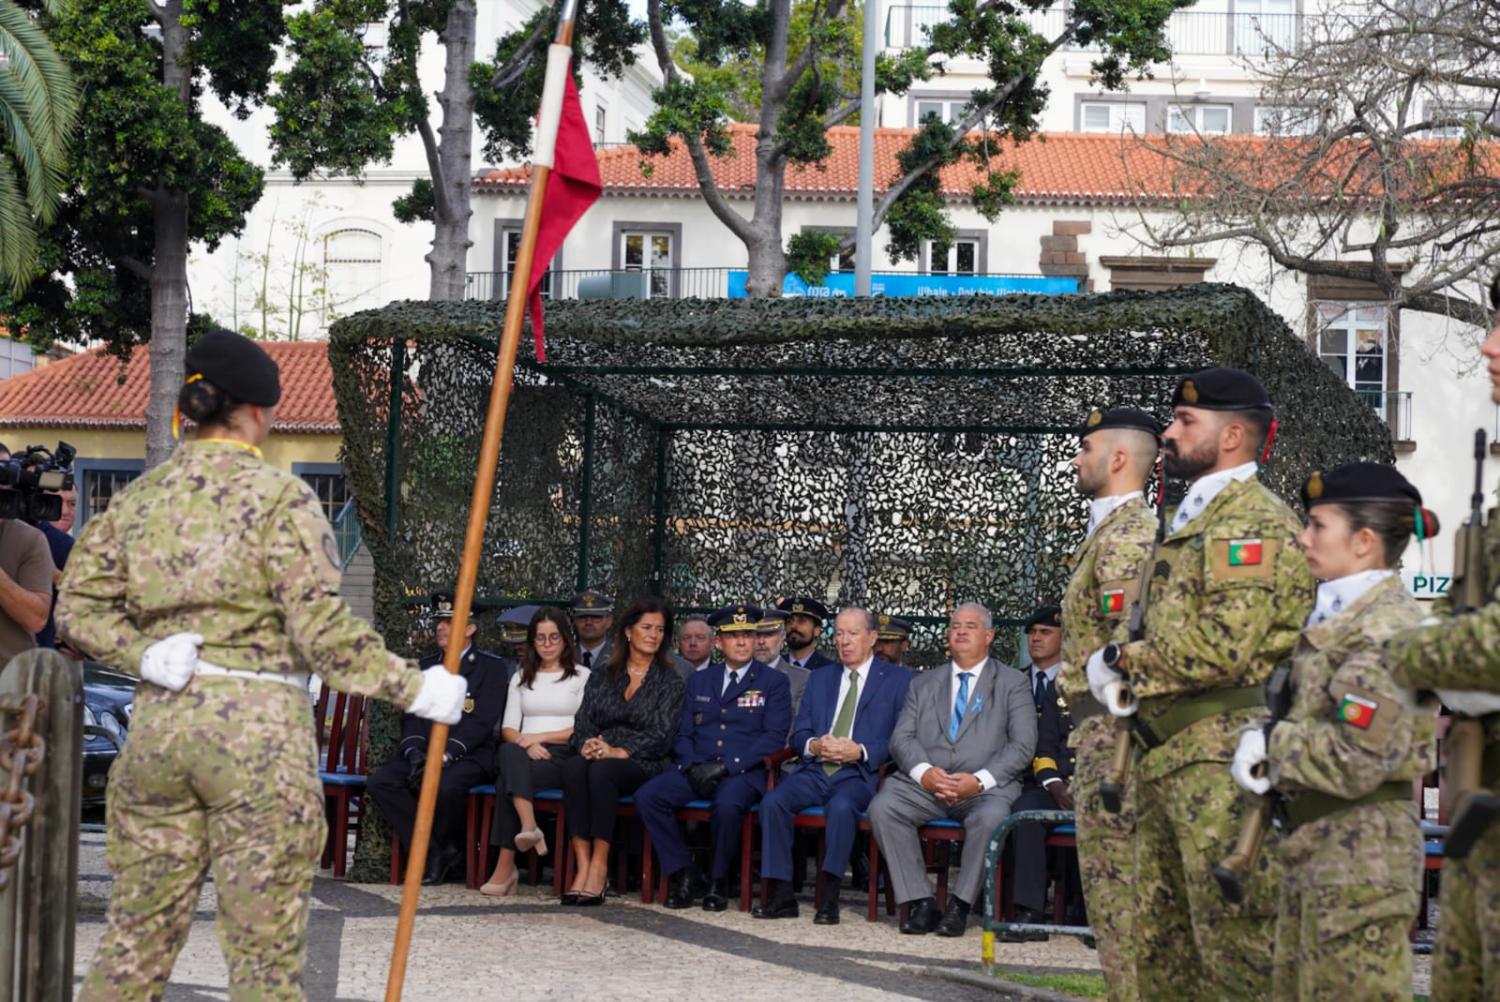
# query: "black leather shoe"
x,y
922,917
440,866
717,897
780,902
859,872
686,887
955,918
828,911
1027,916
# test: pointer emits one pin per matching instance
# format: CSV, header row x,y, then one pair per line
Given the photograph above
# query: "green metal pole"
x,y
659,521
586,493
393,441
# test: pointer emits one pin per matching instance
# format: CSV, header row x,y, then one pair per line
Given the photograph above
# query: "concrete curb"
x,y
999,985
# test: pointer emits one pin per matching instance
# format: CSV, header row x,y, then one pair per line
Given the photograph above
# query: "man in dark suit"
x,y
964,740
842,732
804,624
467,759
734,715
1046,786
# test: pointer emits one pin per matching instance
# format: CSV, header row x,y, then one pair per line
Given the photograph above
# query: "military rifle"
x,y
1112,788
1470,808
1235,869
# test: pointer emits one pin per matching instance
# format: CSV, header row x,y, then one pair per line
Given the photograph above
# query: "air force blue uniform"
x,y
847,792
740,726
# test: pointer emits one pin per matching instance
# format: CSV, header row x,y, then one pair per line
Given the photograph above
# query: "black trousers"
x,y
592,789
398,802
1029,843
521,776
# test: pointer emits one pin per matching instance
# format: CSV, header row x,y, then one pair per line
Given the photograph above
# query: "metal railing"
x,y
347,533
1394,408
1189,33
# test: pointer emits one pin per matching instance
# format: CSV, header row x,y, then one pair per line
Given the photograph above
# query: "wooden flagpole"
x,y
484,484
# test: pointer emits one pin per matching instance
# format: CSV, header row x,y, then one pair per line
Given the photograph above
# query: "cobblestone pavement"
x,y
469,948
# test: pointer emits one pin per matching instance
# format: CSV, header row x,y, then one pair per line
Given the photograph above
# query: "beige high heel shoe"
x,y
502,889
534,839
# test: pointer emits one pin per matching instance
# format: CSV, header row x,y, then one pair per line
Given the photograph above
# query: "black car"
x,y
108,697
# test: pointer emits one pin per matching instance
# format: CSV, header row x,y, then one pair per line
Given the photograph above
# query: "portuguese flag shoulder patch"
x,y
1357,711
1244,552
1112,600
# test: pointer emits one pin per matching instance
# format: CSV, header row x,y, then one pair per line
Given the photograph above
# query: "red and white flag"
x,y
574,183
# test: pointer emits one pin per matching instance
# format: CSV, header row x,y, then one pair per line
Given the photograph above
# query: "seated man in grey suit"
x,y
769,637
964,740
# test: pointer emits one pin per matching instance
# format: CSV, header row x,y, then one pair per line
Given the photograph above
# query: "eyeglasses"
x,y
549,638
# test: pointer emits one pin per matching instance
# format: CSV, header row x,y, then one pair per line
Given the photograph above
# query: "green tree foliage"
x,y
791,68
37,107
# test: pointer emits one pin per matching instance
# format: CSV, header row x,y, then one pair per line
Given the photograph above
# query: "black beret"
x,y
803,607
1047,615
735,619
1132,418
1358,482
1222,390
236,365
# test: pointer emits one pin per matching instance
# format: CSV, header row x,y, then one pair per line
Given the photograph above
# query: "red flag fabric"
x,y
572,187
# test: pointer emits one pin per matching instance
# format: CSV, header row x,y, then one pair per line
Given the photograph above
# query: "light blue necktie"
x,y
960,705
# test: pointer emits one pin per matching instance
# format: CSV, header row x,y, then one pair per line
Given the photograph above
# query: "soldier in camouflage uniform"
x,y
1229,594
1115,452
215,577
1345,755
1458,657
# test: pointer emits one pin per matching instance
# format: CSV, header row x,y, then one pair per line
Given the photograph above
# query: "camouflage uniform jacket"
x,y
1461,652
216,542
1351,727
1229,595
1106,571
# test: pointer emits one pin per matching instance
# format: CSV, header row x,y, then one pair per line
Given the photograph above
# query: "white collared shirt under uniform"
x,y
1102,508
1205,489
1339,594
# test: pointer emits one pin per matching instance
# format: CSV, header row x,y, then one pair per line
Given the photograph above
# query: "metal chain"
x,y
21,752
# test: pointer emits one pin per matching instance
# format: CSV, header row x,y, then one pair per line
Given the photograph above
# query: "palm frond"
x,y
17,231
50,99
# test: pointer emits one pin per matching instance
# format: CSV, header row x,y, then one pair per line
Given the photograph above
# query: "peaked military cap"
x,y
1132,418
891,628
1222,390
771,620
1047,615
515,622
442,605
735,618
592,603
804,607
236,365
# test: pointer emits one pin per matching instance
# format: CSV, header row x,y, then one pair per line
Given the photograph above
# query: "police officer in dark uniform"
x,y
1052,765
804,624
734,715
892,639
467,761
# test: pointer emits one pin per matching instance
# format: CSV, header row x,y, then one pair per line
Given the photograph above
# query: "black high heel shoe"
x,y
569,899
590,900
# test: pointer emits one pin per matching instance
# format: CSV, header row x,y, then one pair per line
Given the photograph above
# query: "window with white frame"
x,y
100,485
1208,119
351,269
1284,120
843,261
944,111
601,116
961,257
510,238
1112,116
1353,340
16,357
650,252
1264,26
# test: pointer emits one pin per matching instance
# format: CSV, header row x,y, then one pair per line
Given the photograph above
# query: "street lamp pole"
x,y
868,113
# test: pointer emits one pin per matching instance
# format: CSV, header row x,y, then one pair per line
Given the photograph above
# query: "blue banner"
x,y
841,285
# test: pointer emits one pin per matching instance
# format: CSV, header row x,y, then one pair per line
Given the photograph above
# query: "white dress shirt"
x,y
1205,489
1102,508
986,781
1339,594
727,674
706,663
864,678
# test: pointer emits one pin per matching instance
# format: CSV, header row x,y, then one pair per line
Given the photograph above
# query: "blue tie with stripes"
x,y
960,704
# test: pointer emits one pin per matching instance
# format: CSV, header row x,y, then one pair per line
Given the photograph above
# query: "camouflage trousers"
x,y
219,777
1350,887
1106,856
1190,943
1466,958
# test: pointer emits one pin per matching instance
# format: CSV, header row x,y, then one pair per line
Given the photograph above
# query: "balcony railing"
x,y
1394,408
1189,33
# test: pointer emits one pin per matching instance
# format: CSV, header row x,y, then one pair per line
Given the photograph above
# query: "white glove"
x,y
1251,753
1119,700
171,663
1470,703
441,697
1101,676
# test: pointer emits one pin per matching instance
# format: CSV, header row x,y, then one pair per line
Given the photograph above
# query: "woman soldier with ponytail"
x,y
215,578
1345,757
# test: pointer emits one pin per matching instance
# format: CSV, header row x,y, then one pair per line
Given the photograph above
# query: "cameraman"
x,y
60,543
26,574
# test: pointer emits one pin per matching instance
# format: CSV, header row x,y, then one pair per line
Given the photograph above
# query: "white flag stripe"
x,y
550,115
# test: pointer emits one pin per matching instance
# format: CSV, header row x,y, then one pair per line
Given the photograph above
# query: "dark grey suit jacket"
x,y
998,731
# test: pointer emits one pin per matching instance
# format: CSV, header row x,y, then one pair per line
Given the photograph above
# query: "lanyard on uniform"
x,y
233,441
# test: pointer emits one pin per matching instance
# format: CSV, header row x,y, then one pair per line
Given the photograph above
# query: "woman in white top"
x,y
544,695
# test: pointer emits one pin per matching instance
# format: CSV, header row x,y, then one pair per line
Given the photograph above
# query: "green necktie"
x,y
845,720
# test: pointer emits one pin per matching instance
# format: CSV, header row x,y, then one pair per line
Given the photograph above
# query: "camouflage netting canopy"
x,y
903,454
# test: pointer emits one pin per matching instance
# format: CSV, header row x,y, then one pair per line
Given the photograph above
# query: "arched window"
x,y
351,264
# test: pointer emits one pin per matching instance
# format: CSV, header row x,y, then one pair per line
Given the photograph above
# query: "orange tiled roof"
x,y
85,391
1056,168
